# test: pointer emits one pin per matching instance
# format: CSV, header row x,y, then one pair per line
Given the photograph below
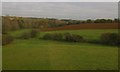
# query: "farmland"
x,y
85,26
39,54
60,36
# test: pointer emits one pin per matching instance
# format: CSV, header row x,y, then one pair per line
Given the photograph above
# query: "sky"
x,y
59,0
62,10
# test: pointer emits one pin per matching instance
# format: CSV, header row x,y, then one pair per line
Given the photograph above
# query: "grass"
x,y
88,33
18,32
35,54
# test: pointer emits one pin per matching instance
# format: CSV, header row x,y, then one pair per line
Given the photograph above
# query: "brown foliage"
x,y
110,38
73,37
54,36
6,39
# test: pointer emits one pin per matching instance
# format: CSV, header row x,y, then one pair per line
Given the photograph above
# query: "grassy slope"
x,y
41,54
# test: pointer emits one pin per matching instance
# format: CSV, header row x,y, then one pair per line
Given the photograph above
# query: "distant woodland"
x,y
10,23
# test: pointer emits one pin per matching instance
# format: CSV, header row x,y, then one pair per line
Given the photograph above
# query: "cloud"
x,y
73,10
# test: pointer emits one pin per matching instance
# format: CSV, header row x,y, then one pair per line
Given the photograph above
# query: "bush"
x,y
6,39
73,37
110,38
66,37
47,36
28,35
54,36
25,35
57,36
33,33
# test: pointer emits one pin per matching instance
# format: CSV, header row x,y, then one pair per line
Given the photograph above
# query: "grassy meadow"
x,y
39,54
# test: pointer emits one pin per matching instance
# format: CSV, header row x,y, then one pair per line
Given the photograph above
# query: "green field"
x,y
38,54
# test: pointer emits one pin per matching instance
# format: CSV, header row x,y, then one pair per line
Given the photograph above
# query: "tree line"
x,y
10,23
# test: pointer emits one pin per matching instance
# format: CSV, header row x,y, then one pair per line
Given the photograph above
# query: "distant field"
x,y
38,54
85,26
86,33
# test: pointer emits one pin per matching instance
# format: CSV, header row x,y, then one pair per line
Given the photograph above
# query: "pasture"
x,y
38,54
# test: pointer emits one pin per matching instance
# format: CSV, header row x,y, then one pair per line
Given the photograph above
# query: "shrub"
x,y
47,36
25,35
28,35
73,37
54,36
57,36
110,38
6,39
33,33
66,37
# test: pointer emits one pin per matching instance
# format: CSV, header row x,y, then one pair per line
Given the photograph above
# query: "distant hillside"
x,y
14,23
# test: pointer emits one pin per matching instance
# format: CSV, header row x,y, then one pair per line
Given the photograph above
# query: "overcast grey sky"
x,y
71,10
